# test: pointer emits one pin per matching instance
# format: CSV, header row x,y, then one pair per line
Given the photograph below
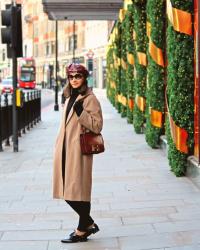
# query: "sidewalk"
x,y
137,202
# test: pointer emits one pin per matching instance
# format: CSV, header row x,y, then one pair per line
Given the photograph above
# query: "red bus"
x,y
26,73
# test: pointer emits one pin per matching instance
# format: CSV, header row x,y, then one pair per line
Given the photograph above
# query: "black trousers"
x,y
82,208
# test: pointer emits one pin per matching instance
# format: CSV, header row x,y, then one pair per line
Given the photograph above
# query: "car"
x,y
6,86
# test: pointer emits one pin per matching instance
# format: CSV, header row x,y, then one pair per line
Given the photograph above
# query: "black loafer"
x,y
73,238
92,230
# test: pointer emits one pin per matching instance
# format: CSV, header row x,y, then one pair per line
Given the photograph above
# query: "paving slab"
x,y
23,245
37,235
144,219
179,226
166,240
93,244
25,226
192,247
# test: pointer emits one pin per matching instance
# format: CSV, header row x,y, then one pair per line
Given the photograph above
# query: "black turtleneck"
x,y
74,95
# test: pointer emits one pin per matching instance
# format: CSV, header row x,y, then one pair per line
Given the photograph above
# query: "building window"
x,y
36,50
47,51
3,55
72,42
53,48
70,47
41,50
35,30
25,49
67,44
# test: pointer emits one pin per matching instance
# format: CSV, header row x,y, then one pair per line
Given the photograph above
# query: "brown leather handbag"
x,y
91,143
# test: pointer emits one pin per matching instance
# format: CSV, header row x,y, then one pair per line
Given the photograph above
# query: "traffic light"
x,y
6,20
12,33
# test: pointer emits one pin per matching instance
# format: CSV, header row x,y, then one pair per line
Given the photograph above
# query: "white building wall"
x,y
96,39
96,34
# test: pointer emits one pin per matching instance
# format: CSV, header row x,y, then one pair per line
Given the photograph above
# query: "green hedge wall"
x,y
179,75
117,72
139,16
124,88
180,87
155,93
109,75
130,67
113,74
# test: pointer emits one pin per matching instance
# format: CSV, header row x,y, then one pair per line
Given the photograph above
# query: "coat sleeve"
x,y
91,116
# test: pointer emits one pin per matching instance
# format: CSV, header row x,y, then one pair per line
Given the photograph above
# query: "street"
x,y
48,97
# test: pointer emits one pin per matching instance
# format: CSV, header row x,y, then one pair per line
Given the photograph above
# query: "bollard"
x,y
38,106
40,96
7,143
1,148
19,122
35,107
28,112
31,112
23,114
19,105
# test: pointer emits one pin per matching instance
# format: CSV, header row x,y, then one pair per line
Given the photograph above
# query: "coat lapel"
x,y
72,109
80,97
70,114
65,110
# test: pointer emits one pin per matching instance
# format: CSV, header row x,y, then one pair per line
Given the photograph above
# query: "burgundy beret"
x,y
75,67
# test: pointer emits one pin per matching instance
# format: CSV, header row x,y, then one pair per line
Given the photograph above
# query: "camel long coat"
x,y
78,168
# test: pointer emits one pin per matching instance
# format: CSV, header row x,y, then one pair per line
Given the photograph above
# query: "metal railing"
x,y
28,115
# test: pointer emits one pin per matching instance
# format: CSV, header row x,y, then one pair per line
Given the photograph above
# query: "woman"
x,y
72,177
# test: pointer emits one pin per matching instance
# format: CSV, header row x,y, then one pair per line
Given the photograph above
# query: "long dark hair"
x,y
67,90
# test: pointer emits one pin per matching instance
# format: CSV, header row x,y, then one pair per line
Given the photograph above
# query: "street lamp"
x,y
56,106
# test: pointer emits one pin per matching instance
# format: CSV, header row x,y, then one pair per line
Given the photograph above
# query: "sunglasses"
x,y
77,77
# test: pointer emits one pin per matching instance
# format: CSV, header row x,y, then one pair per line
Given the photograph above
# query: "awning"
x,y
82,9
